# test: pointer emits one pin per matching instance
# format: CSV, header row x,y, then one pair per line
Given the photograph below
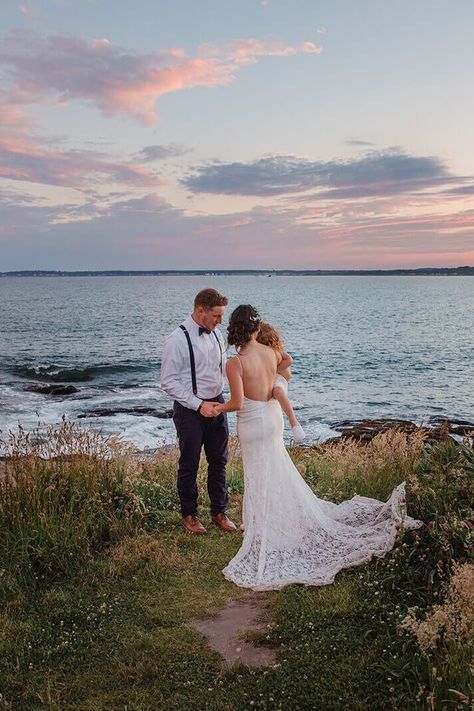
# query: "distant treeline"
x,y
424,271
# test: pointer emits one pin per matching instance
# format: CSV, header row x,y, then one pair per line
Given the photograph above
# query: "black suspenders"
x,y
219,347
191,356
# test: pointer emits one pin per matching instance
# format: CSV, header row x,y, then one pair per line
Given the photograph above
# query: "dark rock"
x,y
457,427
366,430
138,411
52,389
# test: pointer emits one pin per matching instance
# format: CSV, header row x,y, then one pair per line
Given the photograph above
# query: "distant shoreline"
x,y
423,271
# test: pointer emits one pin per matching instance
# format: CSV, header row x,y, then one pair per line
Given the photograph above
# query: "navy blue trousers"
x,y
195,432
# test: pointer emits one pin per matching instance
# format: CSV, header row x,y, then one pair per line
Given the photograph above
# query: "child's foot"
x,y
298,434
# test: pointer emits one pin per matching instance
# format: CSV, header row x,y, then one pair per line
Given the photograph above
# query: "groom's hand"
x,y
209,409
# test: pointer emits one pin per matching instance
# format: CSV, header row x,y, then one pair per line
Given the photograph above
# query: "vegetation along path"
x,y
101,589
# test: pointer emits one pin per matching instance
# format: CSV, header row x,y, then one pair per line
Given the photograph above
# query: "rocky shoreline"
x,y
362,431
436,429
138,411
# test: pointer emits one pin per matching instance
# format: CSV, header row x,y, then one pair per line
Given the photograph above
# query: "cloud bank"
x,y
377,172
117,80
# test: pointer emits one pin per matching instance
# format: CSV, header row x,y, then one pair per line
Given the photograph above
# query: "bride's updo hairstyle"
x,y
244,321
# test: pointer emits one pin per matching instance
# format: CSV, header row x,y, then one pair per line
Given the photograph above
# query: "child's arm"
x,y
284,364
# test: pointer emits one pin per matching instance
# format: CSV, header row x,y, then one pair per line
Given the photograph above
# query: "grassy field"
x,y
98,580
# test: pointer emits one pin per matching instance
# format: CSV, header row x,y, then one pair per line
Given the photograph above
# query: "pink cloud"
x,y
247,51
13,116
451,223
116,80
31,13
23,159
239,223
27,157
215,225
100,43
145,232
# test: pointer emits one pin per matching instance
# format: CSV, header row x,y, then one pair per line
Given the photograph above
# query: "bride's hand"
x,y
208,409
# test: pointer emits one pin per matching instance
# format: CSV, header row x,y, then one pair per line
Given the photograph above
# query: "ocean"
x,y
363,347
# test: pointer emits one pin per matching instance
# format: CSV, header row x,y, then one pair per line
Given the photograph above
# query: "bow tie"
x,y
203,330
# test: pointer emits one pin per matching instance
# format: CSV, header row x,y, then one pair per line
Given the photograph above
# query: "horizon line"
x,y
249,270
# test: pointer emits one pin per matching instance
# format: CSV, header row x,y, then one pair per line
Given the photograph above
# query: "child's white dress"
x,y
281,382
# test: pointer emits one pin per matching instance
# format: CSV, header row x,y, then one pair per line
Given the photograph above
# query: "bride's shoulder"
x,y
233,364
234,370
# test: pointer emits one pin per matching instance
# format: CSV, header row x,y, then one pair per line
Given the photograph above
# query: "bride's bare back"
x,y
258,370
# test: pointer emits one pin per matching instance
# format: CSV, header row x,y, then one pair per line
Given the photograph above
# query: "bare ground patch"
x,y
228,631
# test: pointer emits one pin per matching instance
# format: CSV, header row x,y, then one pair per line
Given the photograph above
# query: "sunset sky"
x,y
186,134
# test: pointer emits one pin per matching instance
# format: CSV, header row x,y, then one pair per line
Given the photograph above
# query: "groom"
x,y
192,373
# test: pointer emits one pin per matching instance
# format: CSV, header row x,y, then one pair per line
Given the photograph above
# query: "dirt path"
x,y
225,632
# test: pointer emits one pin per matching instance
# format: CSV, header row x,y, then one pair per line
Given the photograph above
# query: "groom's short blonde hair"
x,y
208,298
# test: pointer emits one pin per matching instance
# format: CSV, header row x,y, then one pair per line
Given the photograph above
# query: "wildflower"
x,y
455,617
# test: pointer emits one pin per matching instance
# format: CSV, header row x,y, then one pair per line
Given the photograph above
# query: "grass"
x,y
98,581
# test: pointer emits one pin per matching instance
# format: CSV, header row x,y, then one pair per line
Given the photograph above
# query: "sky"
x,y
216,134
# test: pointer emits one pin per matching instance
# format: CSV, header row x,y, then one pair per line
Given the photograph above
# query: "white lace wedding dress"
x,y
291,536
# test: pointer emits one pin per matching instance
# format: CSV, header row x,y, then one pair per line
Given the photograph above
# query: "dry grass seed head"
x,y
454,619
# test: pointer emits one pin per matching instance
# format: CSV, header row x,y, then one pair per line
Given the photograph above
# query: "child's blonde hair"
x,y
268,335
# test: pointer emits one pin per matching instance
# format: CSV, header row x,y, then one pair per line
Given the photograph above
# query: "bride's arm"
x,y
234,376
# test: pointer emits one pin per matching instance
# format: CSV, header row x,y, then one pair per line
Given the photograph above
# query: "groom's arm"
x,y
171,378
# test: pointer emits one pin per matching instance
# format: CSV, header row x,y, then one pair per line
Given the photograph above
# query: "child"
x,y
269,336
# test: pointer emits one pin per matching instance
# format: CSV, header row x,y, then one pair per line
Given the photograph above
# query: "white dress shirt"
x,y
209,355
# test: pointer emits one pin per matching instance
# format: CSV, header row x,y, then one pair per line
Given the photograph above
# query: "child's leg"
x,y
285,404
280,395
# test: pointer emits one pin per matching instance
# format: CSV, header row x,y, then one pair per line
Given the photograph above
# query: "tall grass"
x,y
63,496
68,492
341,469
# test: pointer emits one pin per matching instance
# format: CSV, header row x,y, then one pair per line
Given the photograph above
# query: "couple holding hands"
x,y
290,536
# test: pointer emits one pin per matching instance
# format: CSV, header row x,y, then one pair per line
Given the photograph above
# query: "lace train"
x,y
290,535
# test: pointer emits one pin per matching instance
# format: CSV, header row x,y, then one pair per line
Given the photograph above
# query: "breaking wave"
x,y
59,374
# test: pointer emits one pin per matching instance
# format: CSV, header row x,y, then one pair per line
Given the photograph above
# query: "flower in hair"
x,y
255,316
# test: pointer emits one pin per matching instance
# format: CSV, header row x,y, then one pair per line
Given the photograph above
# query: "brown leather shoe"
x,y
223,522
193,525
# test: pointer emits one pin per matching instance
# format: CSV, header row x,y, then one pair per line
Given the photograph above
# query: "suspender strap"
x,y
219,347
191,358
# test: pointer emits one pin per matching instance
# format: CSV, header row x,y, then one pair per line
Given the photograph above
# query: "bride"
x,y
291,536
